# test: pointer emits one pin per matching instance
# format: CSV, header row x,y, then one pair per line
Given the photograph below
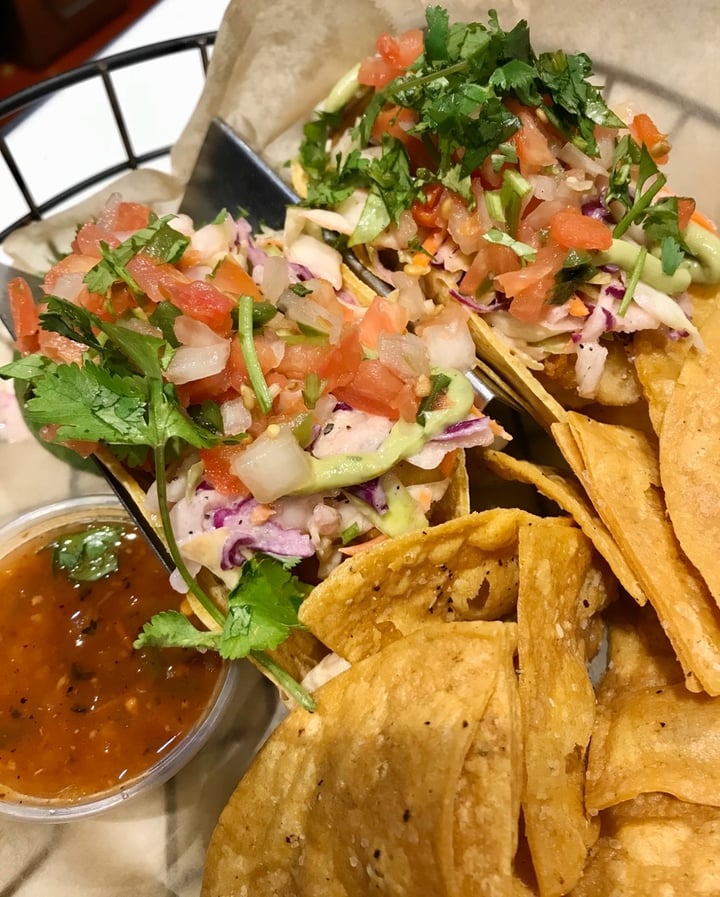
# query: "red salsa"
x,y
81,710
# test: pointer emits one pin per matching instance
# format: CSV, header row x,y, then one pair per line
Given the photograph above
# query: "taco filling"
x,y
458,158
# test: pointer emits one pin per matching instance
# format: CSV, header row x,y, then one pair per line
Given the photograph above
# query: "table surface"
x,y
153,845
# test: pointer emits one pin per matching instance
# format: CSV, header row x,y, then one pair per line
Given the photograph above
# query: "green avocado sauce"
x,y
405,439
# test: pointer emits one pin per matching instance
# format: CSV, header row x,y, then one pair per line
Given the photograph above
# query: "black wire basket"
x,y
19,105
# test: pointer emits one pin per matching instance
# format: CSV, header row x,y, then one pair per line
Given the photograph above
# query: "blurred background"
x,y
40,38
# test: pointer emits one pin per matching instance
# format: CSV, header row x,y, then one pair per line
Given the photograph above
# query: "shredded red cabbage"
x,y
268,536
372,493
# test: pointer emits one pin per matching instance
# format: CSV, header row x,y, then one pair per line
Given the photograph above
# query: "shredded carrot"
x,y
430,246
577,308
447,465
352,550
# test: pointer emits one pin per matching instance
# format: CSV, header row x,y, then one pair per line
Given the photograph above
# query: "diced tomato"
x,y
200,300
395,121
490,260
25,315
217,462
73,264
573,230
644,130
124,217
376,72
155,279
395,54
383,316
59,348
289,402
230,277
402,50
375,389
530,141
300,360
215,388
267,354
529,287
426,212
88,239
341,363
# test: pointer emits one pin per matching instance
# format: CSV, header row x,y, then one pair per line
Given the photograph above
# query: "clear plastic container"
x,y
48,522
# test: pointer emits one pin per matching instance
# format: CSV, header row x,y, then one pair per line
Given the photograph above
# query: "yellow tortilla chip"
x,y
371,792
656,739
650,733
690,456
567,493
619,470
655,845
465,569
489,791
561,588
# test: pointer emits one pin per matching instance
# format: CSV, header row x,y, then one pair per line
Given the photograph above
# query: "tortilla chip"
x,y
493,767
690,456
465,569
567,493
650,733
390,764
656,739
655,845
561,588
619,470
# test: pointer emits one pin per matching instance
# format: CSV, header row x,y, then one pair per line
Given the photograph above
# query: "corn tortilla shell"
x,y
690,456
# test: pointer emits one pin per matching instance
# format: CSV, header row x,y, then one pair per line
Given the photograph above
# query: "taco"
x,y
458,159
274,418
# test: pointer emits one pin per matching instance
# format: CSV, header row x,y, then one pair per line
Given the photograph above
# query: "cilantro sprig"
x,y
119,398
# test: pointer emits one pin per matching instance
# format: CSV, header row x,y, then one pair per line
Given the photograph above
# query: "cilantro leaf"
x,y
262,608
89,555
171,629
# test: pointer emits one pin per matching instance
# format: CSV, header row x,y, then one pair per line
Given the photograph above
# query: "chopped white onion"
x,y
194,333
576,158
323,260
235,417
409,294
405,354
273,465
194,363
275,277
450,345
67,286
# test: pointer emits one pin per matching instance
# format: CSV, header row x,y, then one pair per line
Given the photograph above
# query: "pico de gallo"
x,y
275,415
459,158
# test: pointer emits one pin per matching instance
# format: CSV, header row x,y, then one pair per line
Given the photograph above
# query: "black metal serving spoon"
x,y
229,174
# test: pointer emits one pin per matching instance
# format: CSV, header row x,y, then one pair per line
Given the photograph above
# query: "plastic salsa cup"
x,y
86,720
